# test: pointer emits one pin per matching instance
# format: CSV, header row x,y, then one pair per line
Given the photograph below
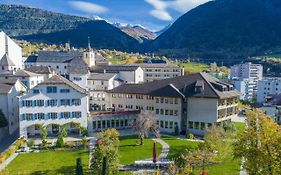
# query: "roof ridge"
x,y
213,89
176,89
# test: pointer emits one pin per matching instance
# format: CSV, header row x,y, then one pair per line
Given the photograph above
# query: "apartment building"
x,y
159,71
249,71
267,88
192,103
273,108
9,102
246,87
10,54
54,102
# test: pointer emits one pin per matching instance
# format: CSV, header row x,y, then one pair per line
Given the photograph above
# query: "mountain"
x,y
223,29
136,31
163,30
38,25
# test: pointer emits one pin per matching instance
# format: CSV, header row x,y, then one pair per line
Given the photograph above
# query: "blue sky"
x,y
152,14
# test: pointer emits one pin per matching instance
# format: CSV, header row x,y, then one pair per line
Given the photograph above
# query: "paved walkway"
x,y
165,149
8,161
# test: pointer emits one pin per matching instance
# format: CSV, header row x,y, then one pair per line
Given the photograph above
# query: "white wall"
x,y
83,108
14,51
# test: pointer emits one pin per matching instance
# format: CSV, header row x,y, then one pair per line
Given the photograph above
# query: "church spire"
x,y
89,43
6,44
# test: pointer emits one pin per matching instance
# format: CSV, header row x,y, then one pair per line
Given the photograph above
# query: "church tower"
x,y
89,55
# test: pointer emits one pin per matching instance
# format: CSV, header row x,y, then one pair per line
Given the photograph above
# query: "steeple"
x,y
6,44
89,44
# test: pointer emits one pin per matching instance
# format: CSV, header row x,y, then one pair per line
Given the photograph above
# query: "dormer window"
x,y
199,87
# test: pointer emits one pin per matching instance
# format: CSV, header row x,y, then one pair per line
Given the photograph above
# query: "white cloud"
x,y
88,7
161,7
161,14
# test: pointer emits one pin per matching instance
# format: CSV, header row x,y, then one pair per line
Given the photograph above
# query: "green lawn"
x,y
194,67
228,166
129,150
178,146
47,163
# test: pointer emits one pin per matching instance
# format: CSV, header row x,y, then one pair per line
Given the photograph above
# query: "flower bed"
x,y
12,149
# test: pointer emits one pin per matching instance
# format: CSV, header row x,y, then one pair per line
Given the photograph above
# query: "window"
x,y
64,90
40,116
210,125
94,125
190,125
176,101
162,100
196,125
166,100
99,124
171,125
157,100
35,91
76,102
77,78
28,117
27,103
65,102
176,113
76,114
171,112
161,111
108,123
39,103
161,124
52,102
53,115
65,115
202,126
166,112
117,123
166,124
157,111
112,123
51,89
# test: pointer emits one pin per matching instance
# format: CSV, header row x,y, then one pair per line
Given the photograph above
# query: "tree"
x,y
259,144
30,143
144,123
79,167
60,141
3,120
63,132
107,146
44,135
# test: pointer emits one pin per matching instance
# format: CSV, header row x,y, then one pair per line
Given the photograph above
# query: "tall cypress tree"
x,y
3,120
79,168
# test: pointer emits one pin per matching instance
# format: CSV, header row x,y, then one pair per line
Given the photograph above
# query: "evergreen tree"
x,y
79,167
3,120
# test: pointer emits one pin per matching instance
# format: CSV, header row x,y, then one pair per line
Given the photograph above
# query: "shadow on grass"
x,y
65,170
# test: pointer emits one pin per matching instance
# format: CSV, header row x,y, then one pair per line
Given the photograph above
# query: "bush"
x,y
190,136
11,150
30,143
60,142
176,130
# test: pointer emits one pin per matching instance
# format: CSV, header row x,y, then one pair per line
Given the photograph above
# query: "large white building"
x,y
9,102
245,87
60,60
249,71
128,74
272,108
10,54
192,102
159,71
55,102
268,87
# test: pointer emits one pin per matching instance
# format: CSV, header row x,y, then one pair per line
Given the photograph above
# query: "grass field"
x,y
47,163
194,67
129,151
178,146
